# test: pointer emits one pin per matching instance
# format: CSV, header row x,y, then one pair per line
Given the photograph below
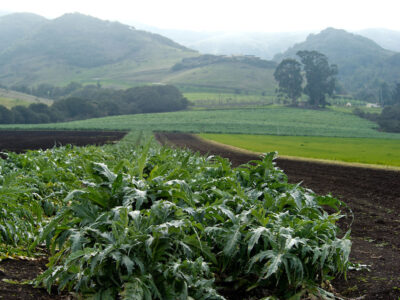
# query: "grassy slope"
x,y
262,121
359,150
11,98
225,76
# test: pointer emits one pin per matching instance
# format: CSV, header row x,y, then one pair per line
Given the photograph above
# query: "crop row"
x,y
140,221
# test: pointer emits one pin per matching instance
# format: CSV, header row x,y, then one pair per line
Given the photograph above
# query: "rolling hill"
x,y
363,64
76,47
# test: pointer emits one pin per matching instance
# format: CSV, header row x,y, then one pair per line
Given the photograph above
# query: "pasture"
x,y
355,150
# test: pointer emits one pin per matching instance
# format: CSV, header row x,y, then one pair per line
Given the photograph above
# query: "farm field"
x,y
172,224
372,195
263,121
219,100
358,150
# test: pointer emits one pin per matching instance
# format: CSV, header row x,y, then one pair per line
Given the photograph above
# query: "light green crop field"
x,y
355,150
261,121
205,99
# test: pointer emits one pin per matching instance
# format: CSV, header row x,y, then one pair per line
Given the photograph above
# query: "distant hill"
x,y
363,64
262,44
35,48
17,26
388,39
80,48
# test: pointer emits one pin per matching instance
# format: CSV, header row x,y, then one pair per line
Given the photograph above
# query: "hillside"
x,y
17,26
80,48
388,39
362,62
10,98
64,48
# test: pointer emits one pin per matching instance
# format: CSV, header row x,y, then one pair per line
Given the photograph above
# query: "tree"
x,y
396,94
320,76
6,116
389,119
385,96
288,75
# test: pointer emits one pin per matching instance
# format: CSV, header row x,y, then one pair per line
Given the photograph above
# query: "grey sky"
x,y
227,15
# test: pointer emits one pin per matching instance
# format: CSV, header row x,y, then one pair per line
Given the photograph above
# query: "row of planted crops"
x,y
140,221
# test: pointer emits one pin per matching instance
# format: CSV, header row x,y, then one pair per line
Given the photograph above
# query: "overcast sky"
x,y
227,15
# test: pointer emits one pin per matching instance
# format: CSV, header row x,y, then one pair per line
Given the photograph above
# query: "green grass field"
x,y
10,98
261,121
9,102
358,150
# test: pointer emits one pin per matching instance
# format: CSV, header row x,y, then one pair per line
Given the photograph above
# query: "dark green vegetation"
x,y
288,75
93,102
319,75
136,219
389,119
363,65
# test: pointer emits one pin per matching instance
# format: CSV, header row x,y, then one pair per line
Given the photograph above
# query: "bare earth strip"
x,y
372,194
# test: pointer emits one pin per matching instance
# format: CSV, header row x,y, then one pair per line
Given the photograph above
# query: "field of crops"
x,y
359,150
227,100
143,221
272,121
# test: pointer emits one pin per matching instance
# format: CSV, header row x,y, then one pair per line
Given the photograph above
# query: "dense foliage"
x,y
147,222
319,75
94,101
389,119
289,78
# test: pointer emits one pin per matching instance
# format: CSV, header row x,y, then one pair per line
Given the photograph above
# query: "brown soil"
x,y
13,271
372,194
19,140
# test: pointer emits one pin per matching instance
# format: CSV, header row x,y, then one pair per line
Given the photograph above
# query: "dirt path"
x,y
372,194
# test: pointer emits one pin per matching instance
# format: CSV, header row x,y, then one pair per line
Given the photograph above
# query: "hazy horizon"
x,y
226,16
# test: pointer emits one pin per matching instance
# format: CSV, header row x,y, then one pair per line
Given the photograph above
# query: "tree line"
x,y
94,101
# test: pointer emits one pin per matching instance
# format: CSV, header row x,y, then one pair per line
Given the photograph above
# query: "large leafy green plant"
x,y
148,222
